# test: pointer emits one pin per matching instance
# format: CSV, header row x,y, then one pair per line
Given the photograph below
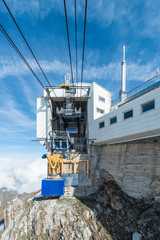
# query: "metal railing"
x,y
59,165
74,166
61,134
141,89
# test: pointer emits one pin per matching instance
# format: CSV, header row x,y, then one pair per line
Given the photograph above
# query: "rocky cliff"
x,y
7,196
108,214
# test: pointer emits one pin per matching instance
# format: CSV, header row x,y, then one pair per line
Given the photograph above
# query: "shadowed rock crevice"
x,y
122,215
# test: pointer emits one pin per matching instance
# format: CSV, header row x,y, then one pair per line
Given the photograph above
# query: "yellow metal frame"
x,y
75,162
56,165
65,86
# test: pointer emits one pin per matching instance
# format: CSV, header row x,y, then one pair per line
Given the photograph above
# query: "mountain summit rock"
x,y
108,213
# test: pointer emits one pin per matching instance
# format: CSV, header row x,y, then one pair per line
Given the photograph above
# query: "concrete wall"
x,y
90,106
99,91
135,166
44,116
41,117
141,125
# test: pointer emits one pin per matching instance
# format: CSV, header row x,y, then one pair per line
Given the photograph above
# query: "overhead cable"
x,y
28,46
76,40
19,53
26,41
23,58
84,35
65,10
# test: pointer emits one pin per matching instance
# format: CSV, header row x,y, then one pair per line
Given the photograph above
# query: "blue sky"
x,y
110,25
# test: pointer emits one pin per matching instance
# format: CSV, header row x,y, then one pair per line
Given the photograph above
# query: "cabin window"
x,y
100,110
64,145
72,130
128,114
57,145
102,99
148,106
113,120
101,124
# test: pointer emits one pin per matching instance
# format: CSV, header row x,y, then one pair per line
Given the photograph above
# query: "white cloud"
x,y
13,118
141,72
112,71
151,19
103,12
17,117
33,8
55,66
11,67
29,94
15,67
22,175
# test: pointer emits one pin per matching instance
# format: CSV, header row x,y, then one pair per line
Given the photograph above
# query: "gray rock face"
x,y
107,214
7,196
136,236
64,218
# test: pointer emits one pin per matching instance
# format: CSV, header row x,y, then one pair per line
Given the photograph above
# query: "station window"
x,y
128,114
101,124
57,145
64,145
148,106
113,120
100,110
102,99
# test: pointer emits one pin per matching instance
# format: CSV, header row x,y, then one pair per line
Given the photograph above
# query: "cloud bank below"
x,y
22,176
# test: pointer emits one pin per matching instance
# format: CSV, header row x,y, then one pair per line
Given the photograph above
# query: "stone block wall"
x,y
135,166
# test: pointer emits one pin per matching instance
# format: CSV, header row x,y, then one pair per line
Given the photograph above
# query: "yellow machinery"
x,y
65,86
57,165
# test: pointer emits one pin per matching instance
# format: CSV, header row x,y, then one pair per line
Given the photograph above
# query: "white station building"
x,y
86,113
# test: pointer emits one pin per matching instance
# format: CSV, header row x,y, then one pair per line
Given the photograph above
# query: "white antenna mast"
x,y
123,80
124,53
157,71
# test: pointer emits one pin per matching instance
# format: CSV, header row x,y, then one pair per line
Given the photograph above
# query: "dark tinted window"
x,y
101,125
113,120
57,144
100,110
128,114
102,99
148,106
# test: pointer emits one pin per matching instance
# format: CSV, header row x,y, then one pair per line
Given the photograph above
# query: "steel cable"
x,y
23,58
84,35
29,47
76,41
70,58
